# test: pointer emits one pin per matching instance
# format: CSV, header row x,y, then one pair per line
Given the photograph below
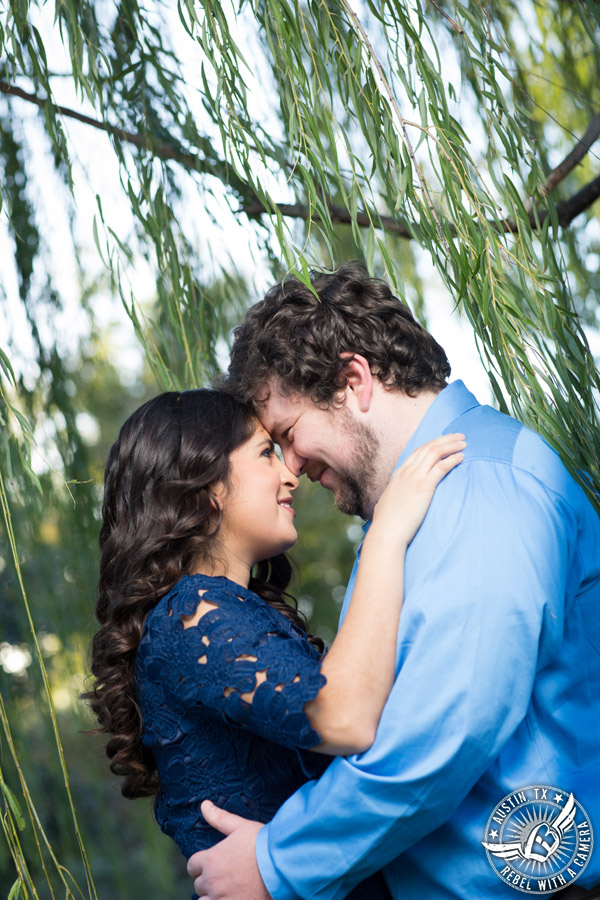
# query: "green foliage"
x,y
276,134
487,222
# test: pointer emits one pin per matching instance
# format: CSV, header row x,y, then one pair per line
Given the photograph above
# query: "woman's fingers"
x,y
445,455
434,451
404,503
446,464
437,456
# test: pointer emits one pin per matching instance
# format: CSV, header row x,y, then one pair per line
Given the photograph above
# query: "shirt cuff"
x,y
276,886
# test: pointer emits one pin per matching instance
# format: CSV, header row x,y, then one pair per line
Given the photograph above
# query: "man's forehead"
x,y
278,405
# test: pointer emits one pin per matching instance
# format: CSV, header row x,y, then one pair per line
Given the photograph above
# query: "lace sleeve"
x,y
225,650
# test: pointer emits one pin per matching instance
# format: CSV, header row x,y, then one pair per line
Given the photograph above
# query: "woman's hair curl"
x,y
158,519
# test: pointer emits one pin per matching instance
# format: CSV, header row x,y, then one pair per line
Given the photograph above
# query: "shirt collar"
x,y
450,403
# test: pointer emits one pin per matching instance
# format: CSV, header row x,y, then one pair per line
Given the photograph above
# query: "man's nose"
x,y
294,462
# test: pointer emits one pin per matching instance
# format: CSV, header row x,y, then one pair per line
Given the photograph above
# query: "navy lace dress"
x,y
222,703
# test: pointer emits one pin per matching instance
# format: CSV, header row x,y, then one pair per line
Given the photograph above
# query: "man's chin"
x,y
350,500
347,493
329,480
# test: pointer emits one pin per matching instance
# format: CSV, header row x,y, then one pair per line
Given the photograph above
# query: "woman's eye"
x,y
268,451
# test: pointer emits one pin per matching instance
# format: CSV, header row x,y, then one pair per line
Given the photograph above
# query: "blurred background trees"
x,y
159,168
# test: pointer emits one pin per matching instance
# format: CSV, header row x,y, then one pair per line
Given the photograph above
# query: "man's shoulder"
x,y
496,438
490,434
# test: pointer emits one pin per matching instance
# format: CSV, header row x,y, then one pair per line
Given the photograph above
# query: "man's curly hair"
x,y
297,335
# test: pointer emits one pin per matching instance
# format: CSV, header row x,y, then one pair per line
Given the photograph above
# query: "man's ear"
x,y
359,380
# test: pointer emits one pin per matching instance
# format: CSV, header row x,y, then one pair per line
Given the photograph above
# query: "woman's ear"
x,y
359,380
216,494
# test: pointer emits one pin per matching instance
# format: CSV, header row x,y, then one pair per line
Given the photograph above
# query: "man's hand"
x,y
228,871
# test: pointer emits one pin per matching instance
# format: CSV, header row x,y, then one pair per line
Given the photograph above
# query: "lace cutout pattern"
x,y
222,682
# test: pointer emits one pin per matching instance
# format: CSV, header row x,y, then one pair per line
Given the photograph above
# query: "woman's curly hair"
x,y
158,519
297,334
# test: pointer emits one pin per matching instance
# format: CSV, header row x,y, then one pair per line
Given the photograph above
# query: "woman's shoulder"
x,y
184,596
165,625
223,597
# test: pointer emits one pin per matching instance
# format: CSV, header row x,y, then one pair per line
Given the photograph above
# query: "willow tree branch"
x,y
447,17
160,148
573,206
338,214
575,156
566,211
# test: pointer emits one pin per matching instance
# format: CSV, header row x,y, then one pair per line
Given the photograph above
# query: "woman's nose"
x,y
288,478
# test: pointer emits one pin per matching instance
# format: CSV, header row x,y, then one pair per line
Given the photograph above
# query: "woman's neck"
x,y
234,569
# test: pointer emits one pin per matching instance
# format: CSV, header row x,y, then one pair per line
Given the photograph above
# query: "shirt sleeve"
x,y
243,662
485,584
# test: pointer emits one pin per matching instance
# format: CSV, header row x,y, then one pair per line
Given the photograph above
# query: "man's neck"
x,y
396,418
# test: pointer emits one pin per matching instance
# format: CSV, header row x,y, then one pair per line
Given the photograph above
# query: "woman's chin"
x,y
290,543
276,549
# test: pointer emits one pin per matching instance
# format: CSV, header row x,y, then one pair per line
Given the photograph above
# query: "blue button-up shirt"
x,y
497,688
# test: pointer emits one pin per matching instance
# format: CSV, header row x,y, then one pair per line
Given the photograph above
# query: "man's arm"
x,y
484,596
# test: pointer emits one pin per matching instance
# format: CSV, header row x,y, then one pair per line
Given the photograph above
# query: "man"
x,y
484,777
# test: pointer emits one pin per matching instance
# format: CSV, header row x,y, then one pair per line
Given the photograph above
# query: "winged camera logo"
x,y
539,839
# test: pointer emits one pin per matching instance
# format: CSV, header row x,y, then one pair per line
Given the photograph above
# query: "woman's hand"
x,y
405,501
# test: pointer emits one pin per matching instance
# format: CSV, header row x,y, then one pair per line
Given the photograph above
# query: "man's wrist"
x,y
274,883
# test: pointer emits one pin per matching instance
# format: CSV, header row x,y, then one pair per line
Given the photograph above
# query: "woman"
x,y
206,678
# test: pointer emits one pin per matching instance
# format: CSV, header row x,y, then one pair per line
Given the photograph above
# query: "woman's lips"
x,y
287,504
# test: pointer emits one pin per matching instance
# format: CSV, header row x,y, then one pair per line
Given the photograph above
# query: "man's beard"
x,y
355,494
